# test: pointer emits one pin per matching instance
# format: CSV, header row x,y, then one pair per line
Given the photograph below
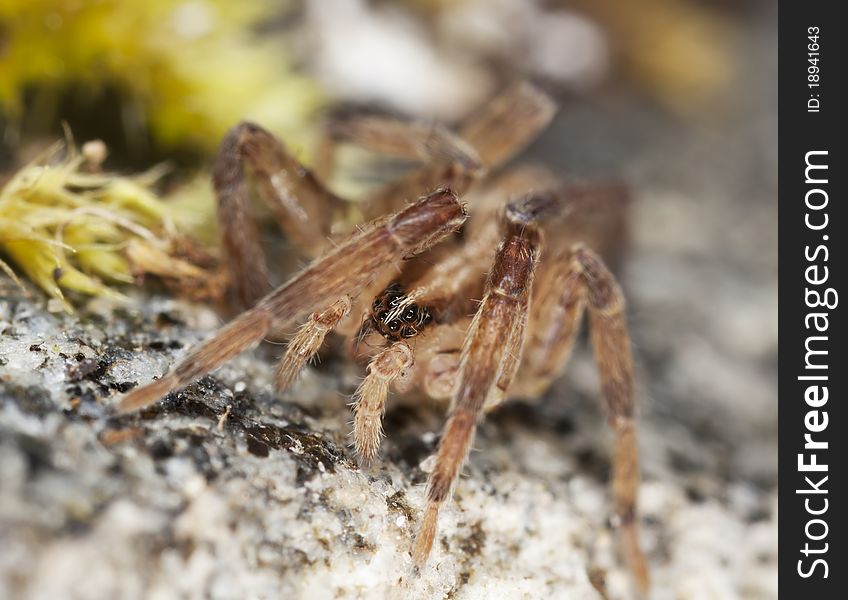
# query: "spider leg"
x,y
505,126
559,301
485,354
488,139
302,206
345,270
512,359
306,342
563,291
369,400
449,160
404,139
611,342
586,213
590,213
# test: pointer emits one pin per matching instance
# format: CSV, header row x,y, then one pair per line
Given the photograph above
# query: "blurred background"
x,y
678,98
168,78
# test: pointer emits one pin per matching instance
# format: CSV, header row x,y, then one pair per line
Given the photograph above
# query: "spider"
x,y
411,282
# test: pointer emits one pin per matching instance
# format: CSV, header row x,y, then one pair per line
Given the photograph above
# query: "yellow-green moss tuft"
x,y
188,68
66,227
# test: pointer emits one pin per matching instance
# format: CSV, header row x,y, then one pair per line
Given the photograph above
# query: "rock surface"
x,y
226,491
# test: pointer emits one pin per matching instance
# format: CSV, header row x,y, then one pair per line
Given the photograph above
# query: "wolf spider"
x,y
416,312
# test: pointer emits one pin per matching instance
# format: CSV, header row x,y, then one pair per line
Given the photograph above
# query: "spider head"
x,y
396,316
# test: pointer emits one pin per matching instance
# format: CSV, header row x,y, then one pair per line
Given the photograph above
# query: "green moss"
x,y
67,228
188,69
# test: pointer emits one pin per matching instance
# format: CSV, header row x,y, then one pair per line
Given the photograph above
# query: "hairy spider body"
x,y
440,324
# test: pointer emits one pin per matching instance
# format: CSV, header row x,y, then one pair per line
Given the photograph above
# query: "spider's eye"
x,y
393,325
395,299
382,316
408,332
410,315
428,318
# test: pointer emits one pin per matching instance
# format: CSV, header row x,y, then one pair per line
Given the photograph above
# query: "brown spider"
x,y
522,329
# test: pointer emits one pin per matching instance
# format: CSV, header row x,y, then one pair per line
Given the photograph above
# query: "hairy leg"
x,y
404,139
346,270
307,341
562,293
499,131
369,400
573,215
611,342
505,126
302,206
484,361
559,301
